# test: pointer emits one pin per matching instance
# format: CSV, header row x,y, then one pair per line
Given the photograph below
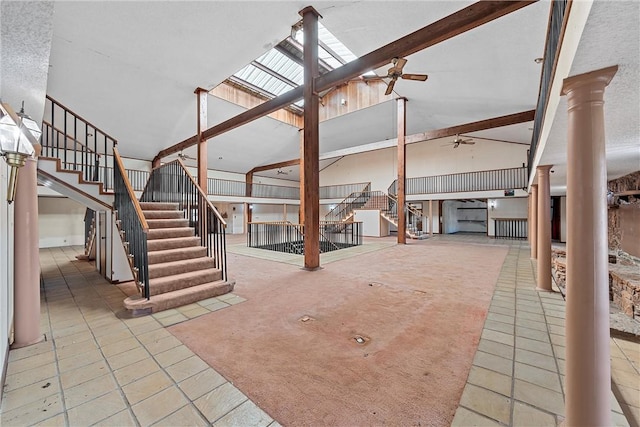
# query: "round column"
x,y
533,236
27,257
544,229
588,381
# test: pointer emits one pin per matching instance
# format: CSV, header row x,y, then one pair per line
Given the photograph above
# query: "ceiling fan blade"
x,y
468,142
400,63
390,87
418,77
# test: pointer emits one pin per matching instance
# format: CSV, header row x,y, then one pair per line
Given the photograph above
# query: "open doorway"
x,y
464,216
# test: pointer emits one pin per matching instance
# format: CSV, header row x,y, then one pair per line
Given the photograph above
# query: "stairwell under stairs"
x,y
180,271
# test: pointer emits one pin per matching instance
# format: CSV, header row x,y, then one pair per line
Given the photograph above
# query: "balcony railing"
x,y
496,179
551,49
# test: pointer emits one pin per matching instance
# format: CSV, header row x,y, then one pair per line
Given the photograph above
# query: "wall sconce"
x,y
15,146
492,204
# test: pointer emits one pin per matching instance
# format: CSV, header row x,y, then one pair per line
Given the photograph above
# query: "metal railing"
x,y
172,183
284,236
488,180
354,201
137,178
554,31
388,206
510,228
80,145
132,224
225,187
341,191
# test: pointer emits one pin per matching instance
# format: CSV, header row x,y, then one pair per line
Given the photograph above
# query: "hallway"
x,y
141,374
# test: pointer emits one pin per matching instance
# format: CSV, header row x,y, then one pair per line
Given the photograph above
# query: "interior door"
x,y
102,228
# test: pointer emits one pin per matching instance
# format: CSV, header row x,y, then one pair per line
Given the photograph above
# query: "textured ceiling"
x,y
132,67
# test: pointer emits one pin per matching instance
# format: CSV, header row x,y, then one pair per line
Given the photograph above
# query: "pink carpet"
x,y
420,307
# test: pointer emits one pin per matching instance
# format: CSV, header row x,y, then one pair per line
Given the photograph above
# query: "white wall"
x,y
423,159
507,208
61,222
6,268
267,213
372,224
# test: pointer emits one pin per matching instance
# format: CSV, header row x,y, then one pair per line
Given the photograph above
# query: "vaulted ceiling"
x,y
132,67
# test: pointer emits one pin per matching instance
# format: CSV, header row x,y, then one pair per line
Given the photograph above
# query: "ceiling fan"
x,y
281,172
183,156
396,71
457,141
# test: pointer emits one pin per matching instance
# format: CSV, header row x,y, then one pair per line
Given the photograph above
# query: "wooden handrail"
x,y
44,122
202,193
97,129
132,196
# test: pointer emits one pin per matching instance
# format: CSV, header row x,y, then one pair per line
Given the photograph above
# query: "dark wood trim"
x,y
65,184
402,169
494,122
310,173
457,23
278,165
136,204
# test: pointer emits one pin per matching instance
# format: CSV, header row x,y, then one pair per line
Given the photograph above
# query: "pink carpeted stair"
x,y
180,272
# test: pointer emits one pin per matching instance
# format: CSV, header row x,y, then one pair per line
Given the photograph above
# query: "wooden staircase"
x,y
180,270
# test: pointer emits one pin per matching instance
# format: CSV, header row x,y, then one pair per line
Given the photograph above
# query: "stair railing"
x,y
354,201
172,183
132,225
80,145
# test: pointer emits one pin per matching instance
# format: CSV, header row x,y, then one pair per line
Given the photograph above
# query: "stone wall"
x,y
623,184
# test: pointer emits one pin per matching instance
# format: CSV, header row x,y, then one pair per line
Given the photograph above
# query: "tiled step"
x,y
172,243
168,223
158,206
184,280
170,255
169,233
158,214
177,298
178,267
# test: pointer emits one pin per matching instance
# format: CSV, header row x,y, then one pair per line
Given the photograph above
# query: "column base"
x,y
17,345
544,290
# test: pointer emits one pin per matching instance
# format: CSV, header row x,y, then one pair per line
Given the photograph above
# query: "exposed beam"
x,y
457,23
495,122
275,166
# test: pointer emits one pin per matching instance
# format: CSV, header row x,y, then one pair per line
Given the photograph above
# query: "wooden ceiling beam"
x,y
495,122
455,24
492,123
275,166
448,27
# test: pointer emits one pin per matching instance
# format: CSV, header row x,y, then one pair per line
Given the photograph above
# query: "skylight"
x,y
280,69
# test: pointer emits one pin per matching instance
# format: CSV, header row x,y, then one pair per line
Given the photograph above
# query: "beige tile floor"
x,y
98,369
517,376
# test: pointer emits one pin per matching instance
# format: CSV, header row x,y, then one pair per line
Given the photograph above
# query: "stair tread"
x,y
175,250
158,281
180,263
179,297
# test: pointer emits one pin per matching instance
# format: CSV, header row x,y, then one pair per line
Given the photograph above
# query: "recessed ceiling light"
x,y
538,60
